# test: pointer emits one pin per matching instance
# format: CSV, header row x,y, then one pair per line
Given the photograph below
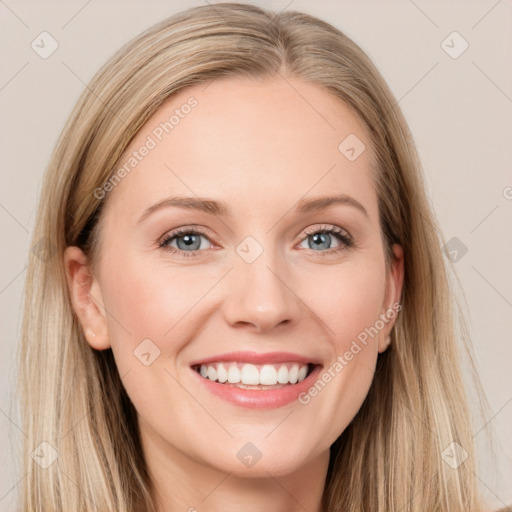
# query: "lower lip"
x,y
260,399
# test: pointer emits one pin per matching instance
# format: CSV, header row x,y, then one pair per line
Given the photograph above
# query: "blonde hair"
x,y
390,457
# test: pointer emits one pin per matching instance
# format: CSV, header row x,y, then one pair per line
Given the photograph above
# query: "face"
x,y
248,325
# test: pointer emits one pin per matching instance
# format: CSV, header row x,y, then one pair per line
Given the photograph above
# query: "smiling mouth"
x,y
255,376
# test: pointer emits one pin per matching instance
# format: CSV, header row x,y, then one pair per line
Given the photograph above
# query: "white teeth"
x,y
254,375
233,374
282,375
268,375
222,373
293,374
250,375
212,373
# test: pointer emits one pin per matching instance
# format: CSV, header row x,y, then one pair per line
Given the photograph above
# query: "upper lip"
x,y
257,358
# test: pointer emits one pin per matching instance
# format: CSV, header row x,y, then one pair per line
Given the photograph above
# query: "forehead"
x,y
248,143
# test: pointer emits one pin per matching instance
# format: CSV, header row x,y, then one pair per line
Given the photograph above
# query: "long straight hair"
x,y
390,457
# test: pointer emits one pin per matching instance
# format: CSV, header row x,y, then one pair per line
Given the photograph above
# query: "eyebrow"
x,y
220,209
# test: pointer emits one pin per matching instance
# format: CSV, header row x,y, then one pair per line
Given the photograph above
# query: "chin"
x,y
251,462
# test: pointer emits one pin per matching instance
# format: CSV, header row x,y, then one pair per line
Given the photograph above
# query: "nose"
x,y
260,296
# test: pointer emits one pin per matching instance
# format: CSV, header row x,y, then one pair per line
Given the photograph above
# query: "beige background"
x,y
459,110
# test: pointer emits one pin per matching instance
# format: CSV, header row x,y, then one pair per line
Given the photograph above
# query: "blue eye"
x,y
322,239
188,241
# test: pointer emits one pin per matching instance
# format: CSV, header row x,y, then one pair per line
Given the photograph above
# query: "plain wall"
x,y
459,111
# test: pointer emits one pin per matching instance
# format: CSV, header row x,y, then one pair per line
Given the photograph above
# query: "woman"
x,y
243,302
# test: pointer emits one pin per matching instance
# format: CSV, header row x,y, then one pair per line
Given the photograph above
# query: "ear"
x,y
394,283
86,298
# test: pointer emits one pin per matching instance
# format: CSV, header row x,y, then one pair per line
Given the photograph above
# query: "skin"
x,y
259,147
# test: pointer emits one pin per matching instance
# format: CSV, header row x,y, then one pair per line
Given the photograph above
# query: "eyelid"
x,y
189,229
316,228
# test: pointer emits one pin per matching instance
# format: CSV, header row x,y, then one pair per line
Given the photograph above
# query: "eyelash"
x,y
345,239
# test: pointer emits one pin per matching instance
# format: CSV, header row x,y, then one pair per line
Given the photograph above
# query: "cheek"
x,y
149,322
350,306
348,299
148,301
349,303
